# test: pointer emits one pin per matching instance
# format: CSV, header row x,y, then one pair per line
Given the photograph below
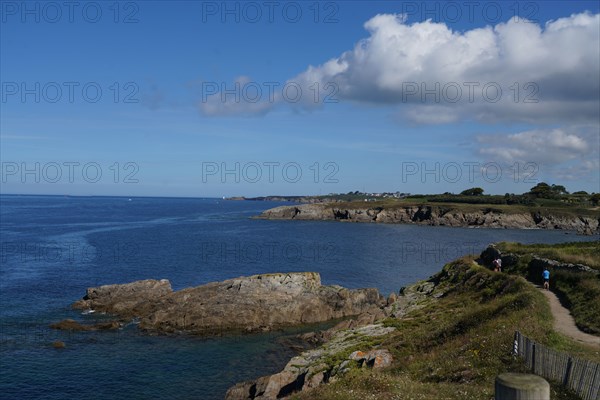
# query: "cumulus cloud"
x,y
472,74
548,146
515,70
565,153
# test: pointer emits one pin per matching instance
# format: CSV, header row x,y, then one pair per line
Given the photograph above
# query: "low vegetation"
x,y
579,291
543,198
454,346
587,253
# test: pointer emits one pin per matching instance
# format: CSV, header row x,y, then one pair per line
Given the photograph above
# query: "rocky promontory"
x,y
352,343
437,215
245,304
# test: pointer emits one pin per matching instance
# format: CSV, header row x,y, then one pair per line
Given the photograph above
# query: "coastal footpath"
x,y
438,215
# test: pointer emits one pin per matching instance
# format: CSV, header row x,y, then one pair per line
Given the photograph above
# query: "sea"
x,y
54,247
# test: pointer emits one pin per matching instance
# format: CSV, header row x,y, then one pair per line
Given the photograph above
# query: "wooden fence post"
x,y
533,356
568,372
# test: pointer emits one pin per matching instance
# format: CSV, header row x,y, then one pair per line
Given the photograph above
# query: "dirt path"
x,y
564,322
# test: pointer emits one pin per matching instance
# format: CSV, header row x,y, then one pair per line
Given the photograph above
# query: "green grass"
x,y
581,295
587,253
578,291
454,347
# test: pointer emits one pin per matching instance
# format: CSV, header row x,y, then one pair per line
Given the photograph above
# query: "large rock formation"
x,y
436,215
255,303
128,299
352,343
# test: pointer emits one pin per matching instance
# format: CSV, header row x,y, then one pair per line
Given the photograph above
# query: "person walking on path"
x,y
497,264
546,277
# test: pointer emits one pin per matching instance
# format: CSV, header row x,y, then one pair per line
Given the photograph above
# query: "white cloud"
x,y
560,61
555,68
565,153
541,145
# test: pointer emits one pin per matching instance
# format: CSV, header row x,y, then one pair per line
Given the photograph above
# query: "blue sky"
x,y
128,100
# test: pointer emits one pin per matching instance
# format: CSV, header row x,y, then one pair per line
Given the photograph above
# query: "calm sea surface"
x,y
53,248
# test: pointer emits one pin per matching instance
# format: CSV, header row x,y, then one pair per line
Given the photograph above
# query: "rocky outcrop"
x,y
490,254
247,304
303,212
535,264
72,325
321,365
127,299
436,216
352,343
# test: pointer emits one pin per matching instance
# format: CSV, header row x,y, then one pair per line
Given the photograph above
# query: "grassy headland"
x,y
484,204
544,207
452,347
578,291
542,198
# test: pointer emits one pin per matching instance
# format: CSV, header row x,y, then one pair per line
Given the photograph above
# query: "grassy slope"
x,y
580,292
455,346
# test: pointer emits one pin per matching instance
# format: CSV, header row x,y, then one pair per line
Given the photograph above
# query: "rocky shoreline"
x,y
247,304
261,303
273,301
435,216
352,343
357,343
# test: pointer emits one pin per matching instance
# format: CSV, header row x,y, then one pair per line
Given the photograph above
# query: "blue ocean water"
x,y
53,248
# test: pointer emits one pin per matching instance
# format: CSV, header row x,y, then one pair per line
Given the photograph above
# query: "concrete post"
x,y
511,386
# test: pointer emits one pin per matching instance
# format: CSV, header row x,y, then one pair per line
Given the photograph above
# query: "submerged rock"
x,y
72,325
247,304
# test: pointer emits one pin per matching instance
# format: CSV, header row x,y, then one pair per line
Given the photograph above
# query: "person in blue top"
x,y
546,277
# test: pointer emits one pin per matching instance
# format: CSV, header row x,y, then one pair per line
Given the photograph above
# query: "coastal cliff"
x,y
485,217
245,304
